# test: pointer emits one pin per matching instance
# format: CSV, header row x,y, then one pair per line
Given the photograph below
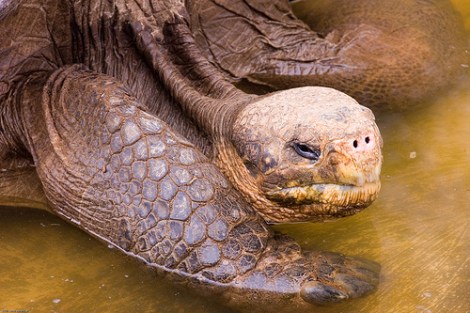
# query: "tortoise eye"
x,y
306,151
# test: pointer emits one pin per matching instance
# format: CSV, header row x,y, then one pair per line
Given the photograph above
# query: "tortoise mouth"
x,y
331,195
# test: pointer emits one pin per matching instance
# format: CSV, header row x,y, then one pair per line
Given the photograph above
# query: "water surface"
x,y
418,229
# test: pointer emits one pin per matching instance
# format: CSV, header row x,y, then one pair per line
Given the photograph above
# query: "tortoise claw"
x,y
350,278
319,293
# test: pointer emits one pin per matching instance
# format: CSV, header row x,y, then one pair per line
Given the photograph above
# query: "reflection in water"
x,y
419,230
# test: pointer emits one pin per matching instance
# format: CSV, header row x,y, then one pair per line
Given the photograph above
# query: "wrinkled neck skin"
x,y
392,55
232,166
175,80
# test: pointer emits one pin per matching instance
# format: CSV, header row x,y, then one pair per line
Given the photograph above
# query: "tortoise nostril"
x,y
356,142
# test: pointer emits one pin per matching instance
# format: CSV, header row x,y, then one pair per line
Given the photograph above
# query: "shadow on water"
x,y
418,229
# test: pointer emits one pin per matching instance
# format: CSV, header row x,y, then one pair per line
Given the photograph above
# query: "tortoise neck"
x,y
203,93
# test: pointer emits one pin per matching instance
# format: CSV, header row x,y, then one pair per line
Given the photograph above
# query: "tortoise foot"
x,y
339,278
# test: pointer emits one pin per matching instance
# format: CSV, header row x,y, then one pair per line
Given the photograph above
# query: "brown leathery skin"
x,y
393,55
99,136
134,183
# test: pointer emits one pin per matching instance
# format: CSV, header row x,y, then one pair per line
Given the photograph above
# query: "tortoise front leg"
x,y
120,174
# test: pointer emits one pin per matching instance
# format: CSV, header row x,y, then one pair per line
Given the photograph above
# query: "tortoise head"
x,y
305,154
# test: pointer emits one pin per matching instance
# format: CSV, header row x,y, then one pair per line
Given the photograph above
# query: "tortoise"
x,y
140,141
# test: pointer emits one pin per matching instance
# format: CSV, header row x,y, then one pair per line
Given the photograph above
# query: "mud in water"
x,y
418,229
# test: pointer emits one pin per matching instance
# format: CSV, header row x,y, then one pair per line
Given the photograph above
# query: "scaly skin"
x,y
99,137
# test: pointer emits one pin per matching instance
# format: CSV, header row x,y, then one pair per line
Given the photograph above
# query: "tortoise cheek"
x,y
268,162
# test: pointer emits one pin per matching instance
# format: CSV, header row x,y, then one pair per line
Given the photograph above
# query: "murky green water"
x,y
419,230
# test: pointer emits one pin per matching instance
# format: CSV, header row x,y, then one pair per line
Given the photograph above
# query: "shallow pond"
x,y
418,229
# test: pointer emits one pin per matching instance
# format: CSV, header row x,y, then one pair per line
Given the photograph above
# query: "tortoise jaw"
x,y
313,202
